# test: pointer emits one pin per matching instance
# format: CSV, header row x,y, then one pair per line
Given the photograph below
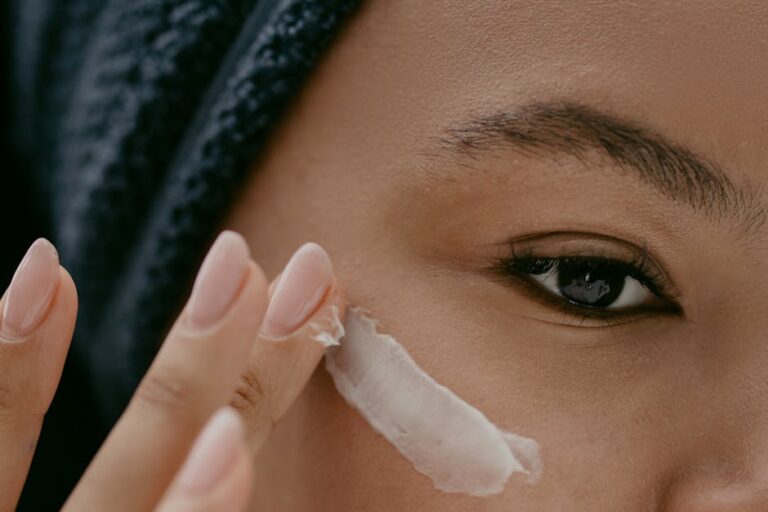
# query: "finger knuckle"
x,y
5,398
250,395
165,390
19,410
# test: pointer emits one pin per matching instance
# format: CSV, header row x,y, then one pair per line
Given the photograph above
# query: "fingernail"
x,y
299,291
31,289
218,280
213,453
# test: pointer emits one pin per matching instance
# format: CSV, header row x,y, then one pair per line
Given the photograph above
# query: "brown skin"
x,y
659,413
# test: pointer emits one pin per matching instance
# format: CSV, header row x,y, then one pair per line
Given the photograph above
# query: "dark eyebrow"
x,y
547,129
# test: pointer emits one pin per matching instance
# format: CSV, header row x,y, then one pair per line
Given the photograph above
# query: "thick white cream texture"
x,y
328,335
443,437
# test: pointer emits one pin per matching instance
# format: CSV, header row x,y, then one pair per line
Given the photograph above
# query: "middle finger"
x,y
194,373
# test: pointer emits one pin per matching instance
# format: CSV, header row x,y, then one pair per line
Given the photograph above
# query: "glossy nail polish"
x,y
218,281
31,289
300,290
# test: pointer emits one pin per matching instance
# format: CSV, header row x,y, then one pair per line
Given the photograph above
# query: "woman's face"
x,y
451,157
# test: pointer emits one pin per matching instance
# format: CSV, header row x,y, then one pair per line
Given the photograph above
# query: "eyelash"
x,y
637,267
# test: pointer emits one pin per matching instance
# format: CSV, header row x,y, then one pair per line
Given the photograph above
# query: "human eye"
x,y
590,276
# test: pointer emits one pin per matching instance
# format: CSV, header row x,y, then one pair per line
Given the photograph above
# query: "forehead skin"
x,y
696,72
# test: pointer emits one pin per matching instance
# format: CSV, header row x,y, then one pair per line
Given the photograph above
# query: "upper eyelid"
x,y
641,252
655,282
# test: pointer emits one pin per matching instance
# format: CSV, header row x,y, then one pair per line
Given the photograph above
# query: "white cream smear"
x,y
443,437
328,335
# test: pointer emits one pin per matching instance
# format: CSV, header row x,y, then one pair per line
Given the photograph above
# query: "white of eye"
x,y
633,294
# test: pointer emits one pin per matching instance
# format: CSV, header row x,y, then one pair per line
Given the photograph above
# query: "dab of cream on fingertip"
x,y
328,335
445,438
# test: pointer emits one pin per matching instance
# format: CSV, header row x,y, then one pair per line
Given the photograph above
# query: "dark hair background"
x,y
128,128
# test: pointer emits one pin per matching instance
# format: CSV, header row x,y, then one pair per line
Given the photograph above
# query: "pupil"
x,y
589,282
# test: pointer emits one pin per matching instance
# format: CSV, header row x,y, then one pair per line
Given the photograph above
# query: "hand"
x,y
171,450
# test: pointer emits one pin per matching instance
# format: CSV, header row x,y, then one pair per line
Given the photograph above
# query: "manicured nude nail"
x,y
31,290
219,280
299,291
213,453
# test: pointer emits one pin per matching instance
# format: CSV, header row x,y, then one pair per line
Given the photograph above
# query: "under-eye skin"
x,y
589,277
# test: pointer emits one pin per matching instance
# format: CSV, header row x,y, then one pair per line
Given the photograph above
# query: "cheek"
x,y
578,405
331,453
595,449
328,458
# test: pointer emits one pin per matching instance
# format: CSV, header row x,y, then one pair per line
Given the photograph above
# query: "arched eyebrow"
x,y
549,129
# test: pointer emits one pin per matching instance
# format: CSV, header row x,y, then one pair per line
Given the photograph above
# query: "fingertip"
x,y
326,325
301,289
213,453
66,295
239,487
27,301
218,472
273,284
